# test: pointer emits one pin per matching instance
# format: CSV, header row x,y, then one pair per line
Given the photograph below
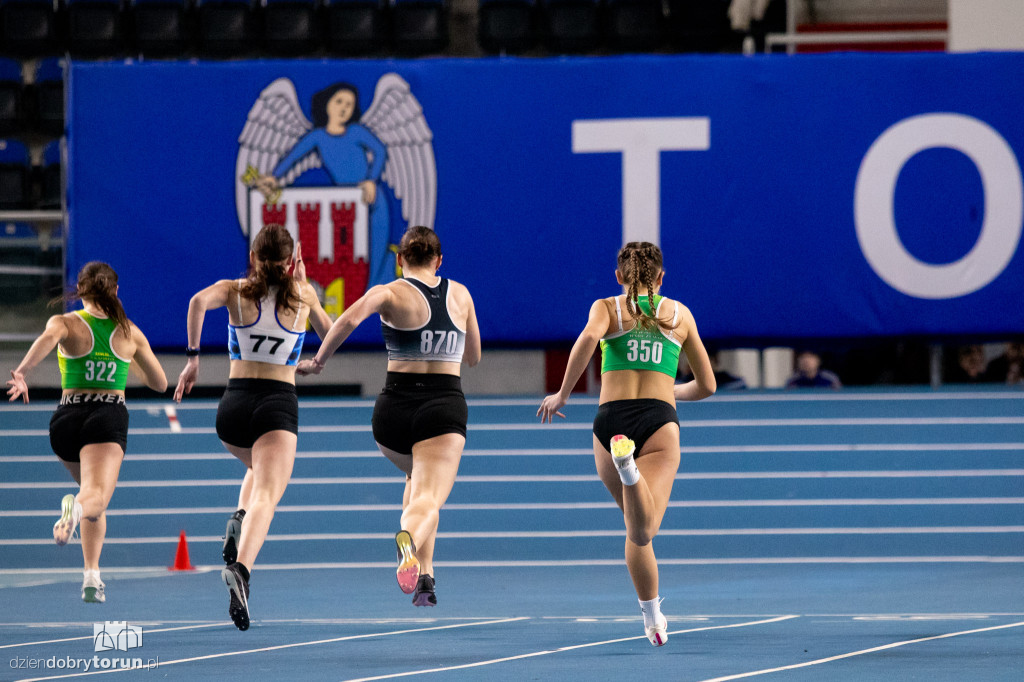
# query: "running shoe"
x,y
231,535
658,633
408,565
622,450
424,594
70,515
93,588
238,588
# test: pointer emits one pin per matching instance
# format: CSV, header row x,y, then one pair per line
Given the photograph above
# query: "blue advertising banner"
x,y
794,198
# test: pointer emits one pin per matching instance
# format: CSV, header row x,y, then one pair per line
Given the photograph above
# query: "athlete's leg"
x,y
98,470
435,464
245,490
272,458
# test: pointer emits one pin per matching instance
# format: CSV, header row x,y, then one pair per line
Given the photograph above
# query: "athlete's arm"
x,y
579,357
212,297
472,351
373,301
144,363
318,317
55,332
703,383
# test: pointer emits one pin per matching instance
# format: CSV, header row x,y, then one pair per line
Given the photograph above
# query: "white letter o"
x,y
1004,205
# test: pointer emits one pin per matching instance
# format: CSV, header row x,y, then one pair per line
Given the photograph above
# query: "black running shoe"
x,y
424,594
238,588
231,535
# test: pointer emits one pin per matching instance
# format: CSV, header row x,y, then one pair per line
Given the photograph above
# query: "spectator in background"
x,y
1008,368
970,366
809,373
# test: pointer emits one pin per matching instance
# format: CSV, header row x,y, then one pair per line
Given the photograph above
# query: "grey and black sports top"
x,y
439,339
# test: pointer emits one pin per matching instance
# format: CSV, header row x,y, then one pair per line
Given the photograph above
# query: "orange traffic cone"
x,y
181,560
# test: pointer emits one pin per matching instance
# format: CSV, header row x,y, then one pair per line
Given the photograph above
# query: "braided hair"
x,y
639,264
272,246
97,283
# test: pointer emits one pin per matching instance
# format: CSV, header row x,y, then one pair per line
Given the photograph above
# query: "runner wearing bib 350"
x,y
636,430
96,347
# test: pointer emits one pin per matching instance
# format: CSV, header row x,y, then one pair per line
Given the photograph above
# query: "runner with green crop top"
x,y
636,429
96,347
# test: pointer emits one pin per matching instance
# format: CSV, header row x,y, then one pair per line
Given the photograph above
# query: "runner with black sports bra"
x,y
636,430
96,348
419,420
258,416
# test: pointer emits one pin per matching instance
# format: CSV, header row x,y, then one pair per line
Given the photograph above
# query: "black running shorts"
x,y
86,419
637,419
414,407
253,407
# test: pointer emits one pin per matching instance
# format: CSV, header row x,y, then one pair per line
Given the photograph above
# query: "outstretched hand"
x,y
187,379
18,387
549,408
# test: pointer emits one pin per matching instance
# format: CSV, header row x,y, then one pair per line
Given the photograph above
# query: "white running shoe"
x,y
92,588
70,515
658,633
622,450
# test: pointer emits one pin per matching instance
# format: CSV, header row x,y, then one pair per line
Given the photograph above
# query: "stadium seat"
x,y
571,26
356,27
50,177
419,26
699,25
291,27
227,28
506,26
30,28
12,109
48,100
96,27
635,25
15,175
161,28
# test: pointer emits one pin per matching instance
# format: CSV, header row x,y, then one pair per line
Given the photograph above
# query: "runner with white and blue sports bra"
x,y
636,429
96,346
419,420
258,416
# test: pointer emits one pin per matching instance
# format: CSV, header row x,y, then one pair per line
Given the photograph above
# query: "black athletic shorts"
x,y
253,407
86,419
414,407
636,419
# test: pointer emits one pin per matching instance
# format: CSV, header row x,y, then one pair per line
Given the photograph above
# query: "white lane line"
x,y
291,646
172,418
533,654
819,661
555,506
560,478
148,631
542,534
852,447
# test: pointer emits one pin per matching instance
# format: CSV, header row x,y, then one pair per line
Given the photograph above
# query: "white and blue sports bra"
x,y
266,339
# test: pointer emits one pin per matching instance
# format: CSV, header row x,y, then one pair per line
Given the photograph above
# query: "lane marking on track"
x,y
534,654
172,418
290,646
861,652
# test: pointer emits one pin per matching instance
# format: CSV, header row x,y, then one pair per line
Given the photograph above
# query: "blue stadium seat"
x,y
635,25
571,26
227,28
507,26
419,26
96,27
291,27
15,175
699,25
51,177
30,28
162,28
48,100
12,107
356,27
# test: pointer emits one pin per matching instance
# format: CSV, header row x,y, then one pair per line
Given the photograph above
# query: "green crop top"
x,y
101,367
644,349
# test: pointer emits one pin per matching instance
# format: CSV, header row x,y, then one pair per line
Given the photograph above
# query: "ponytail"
x,y
272,246
97,283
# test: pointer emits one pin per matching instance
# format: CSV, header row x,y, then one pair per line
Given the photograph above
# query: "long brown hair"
x,y
419,246
97,283
639,264
272,246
